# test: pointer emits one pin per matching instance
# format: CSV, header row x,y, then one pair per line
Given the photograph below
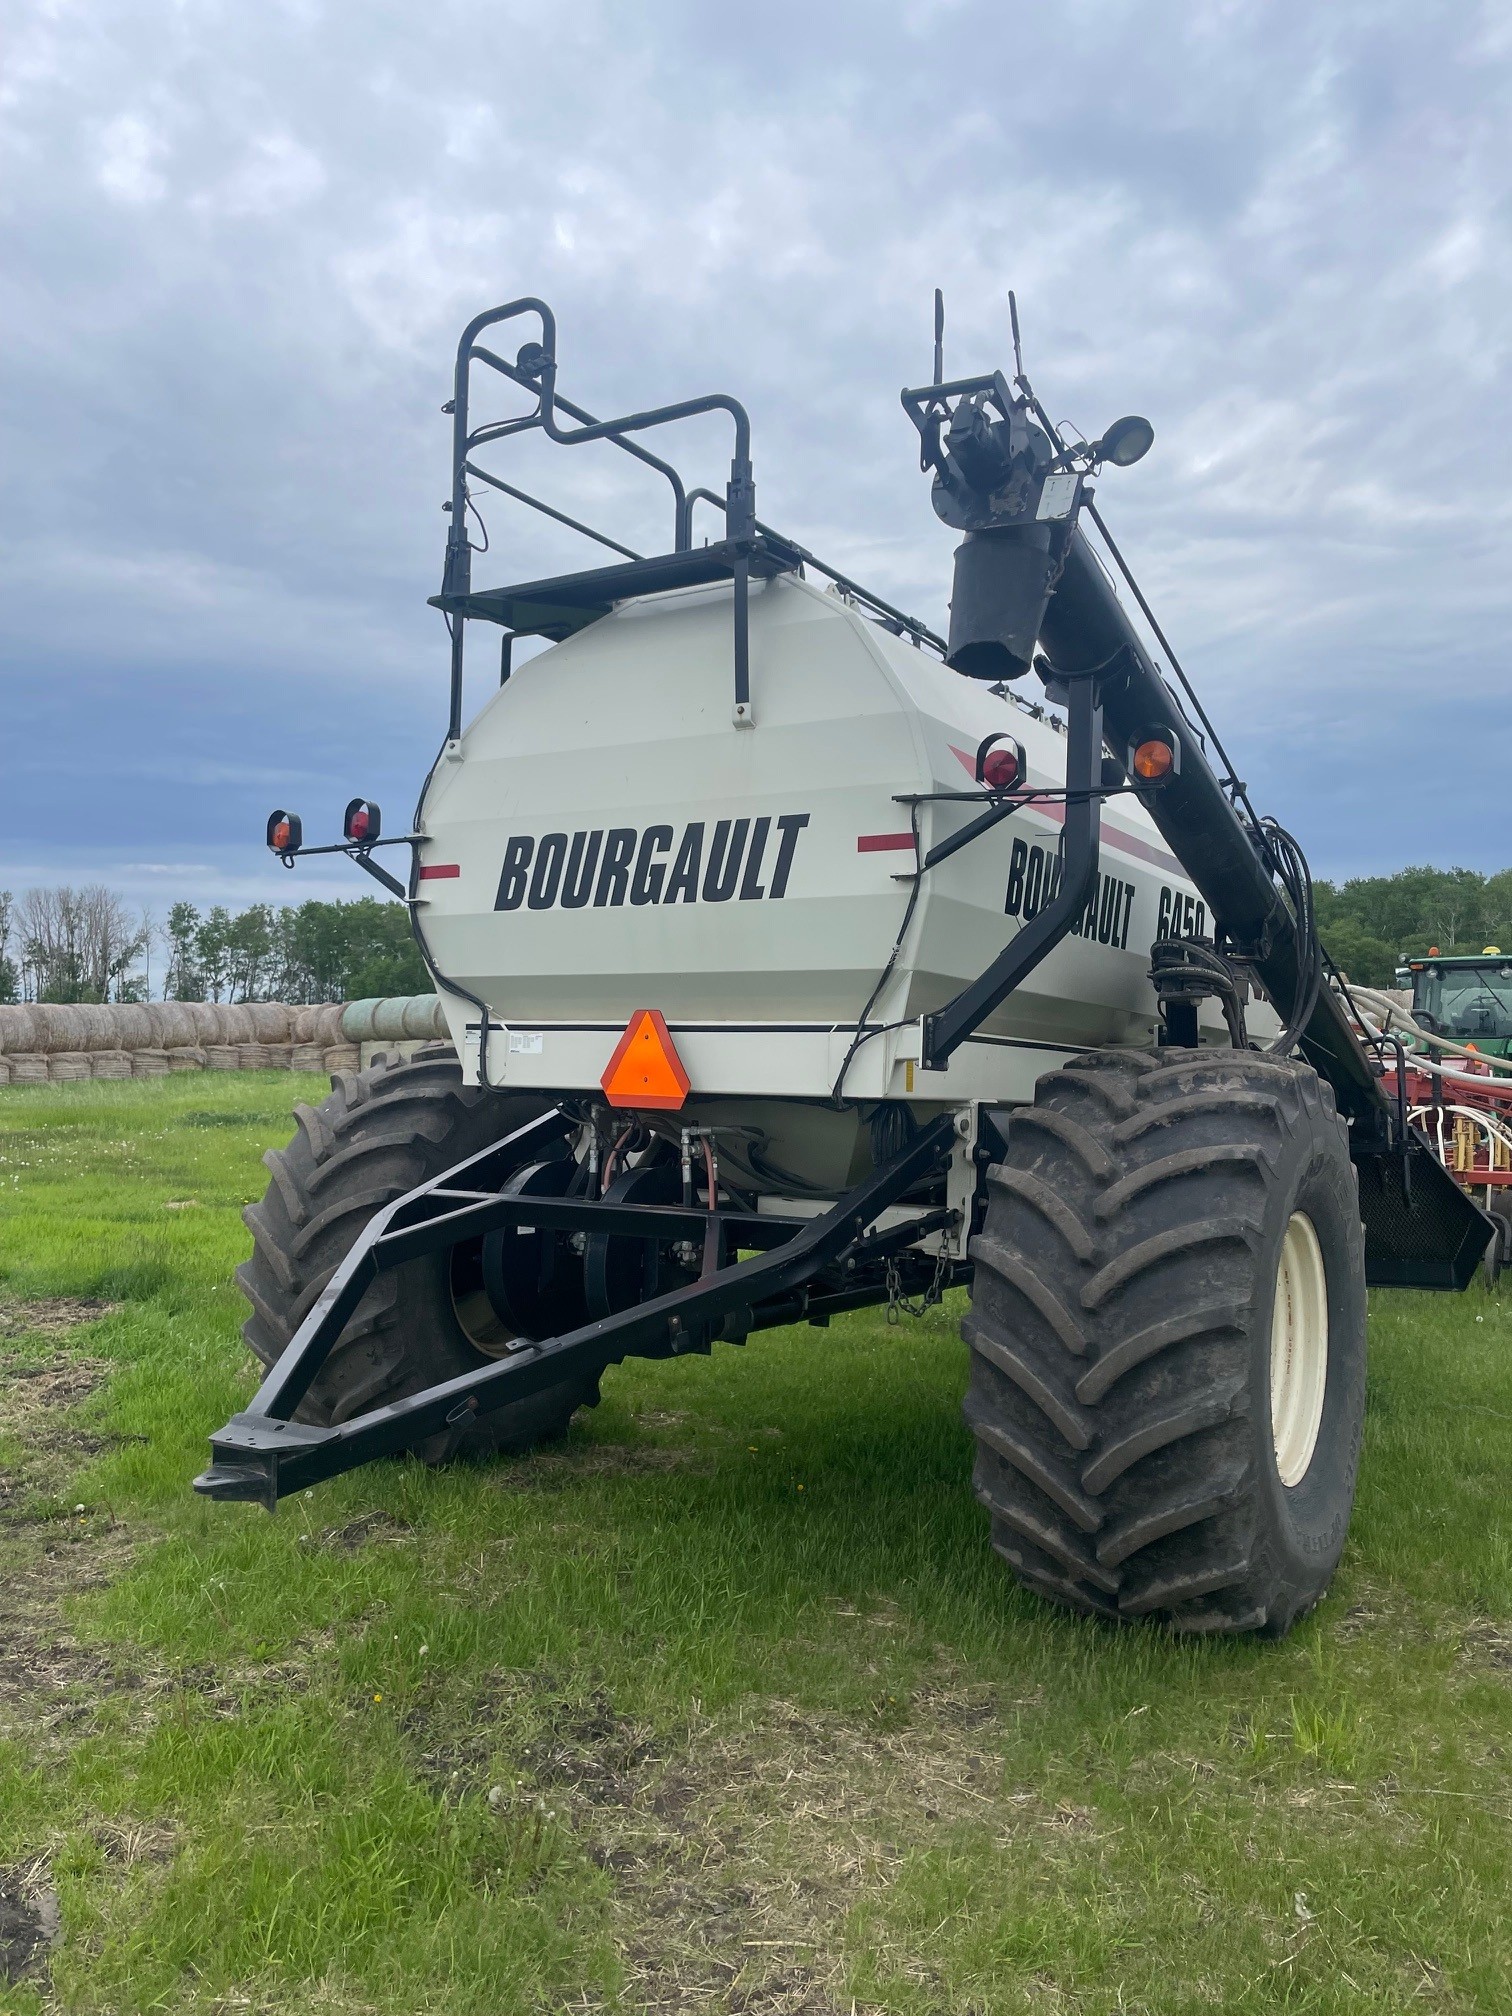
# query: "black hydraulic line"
x,y
1239,792
417,930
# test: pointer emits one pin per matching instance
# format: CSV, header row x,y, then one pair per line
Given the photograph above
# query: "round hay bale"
x,y
4,1069
342,1057
109,1064
424,1016
131,1027
366,1021
302,1028
96,1024
252,1056
54,1027
67,1067
173,1027
306,1057
280,1056
16,1032
28,1067
270,1021
149,1063
222,1057
186,1060
328,1024
202,1015
236,1024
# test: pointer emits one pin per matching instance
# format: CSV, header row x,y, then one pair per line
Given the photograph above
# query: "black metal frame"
x,y
556,606
535,370
808,1269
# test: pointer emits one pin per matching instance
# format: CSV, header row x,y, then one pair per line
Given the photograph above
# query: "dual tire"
x,y
1167,1338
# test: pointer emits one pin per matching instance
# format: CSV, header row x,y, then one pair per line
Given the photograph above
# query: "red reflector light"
x,y
1000,763
645,1069
362,822
1000,772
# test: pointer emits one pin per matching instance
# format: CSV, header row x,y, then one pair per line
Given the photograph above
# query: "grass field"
x,y
725,1704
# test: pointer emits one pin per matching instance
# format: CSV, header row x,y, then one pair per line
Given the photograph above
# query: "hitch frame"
x,y
800,1268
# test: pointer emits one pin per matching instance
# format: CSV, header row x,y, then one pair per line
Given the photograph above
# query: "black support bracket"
x,y
949,1027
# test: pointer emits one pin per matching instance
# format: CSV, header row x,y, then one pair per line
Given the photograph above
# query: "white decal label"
x,y
1058,495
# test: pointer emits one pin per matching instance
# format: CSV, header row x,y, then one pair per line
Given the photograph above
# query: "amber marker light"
x,y
1154,757
285,835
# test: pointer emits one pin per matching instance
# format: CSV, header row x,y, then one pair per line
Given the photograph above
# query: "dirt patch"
x,y
53,1317
52,1548
561,1469
42,1444
373,1528
736,1848
30,1923
1484,1644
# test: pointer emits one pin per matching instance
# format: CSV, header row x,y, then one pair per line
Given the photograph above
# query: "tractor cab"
x,y
1467,998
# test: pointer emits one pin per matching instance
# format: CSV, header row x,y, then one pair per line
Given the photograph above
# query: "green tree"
x,y
184,980
10,974
212,952
249,954
345,951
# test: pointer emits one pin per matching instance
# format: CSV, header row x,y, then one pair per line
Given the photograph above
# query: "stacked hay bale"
x,y
318,1042
398,1023
50,1042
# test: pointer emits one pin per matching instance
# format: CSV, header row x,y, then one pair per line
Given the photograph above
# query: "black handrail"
x,y
842,581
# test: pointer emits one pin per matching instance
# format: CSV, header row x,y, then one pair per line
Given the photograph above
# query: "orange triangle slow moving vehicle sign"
x,y
645,1069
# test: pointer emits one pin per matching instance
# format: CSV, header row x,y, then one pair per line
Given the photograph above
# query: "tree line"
x,y
87,944
1371,922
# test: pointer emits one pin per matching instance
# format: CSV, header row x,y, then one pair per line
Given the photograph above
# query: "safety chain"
x,y
899,1305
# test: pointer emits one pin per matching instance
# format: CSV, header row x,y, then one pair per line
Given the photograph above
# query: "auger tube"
x,y
1084,626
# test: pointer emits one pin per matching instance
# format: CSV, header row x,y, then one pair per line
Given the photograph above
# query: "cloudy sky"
x,y
239,241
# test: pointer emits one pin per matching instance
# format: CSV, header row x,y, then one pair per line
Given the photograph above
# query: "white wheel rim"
x,y
1299,1349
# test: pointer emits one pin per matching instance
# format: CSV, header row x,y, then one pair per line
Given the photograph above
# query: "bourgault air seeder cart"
x,y
795,963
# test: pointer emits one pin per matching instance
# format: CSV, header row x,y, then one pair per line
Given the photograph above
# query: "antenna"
x,y
1018,354
939,361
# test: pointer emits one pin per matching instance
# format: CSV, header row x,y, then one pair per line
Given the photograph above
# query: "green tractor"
x,y
1466,996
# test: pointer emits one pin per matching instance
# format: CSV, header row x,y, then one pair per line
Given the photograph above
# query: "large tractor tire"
x,y
381,1132
1167,1338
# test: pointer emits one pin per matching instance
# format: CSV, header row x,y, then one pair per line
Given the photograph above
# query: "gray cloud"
x,y
239,244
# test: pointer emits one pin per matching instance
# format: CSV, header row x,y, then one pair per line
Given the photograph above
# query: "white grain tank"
x,y
601,839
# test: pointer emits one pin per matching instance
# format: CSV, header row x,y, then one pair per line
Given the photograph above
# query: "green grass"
x,y
726,1704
